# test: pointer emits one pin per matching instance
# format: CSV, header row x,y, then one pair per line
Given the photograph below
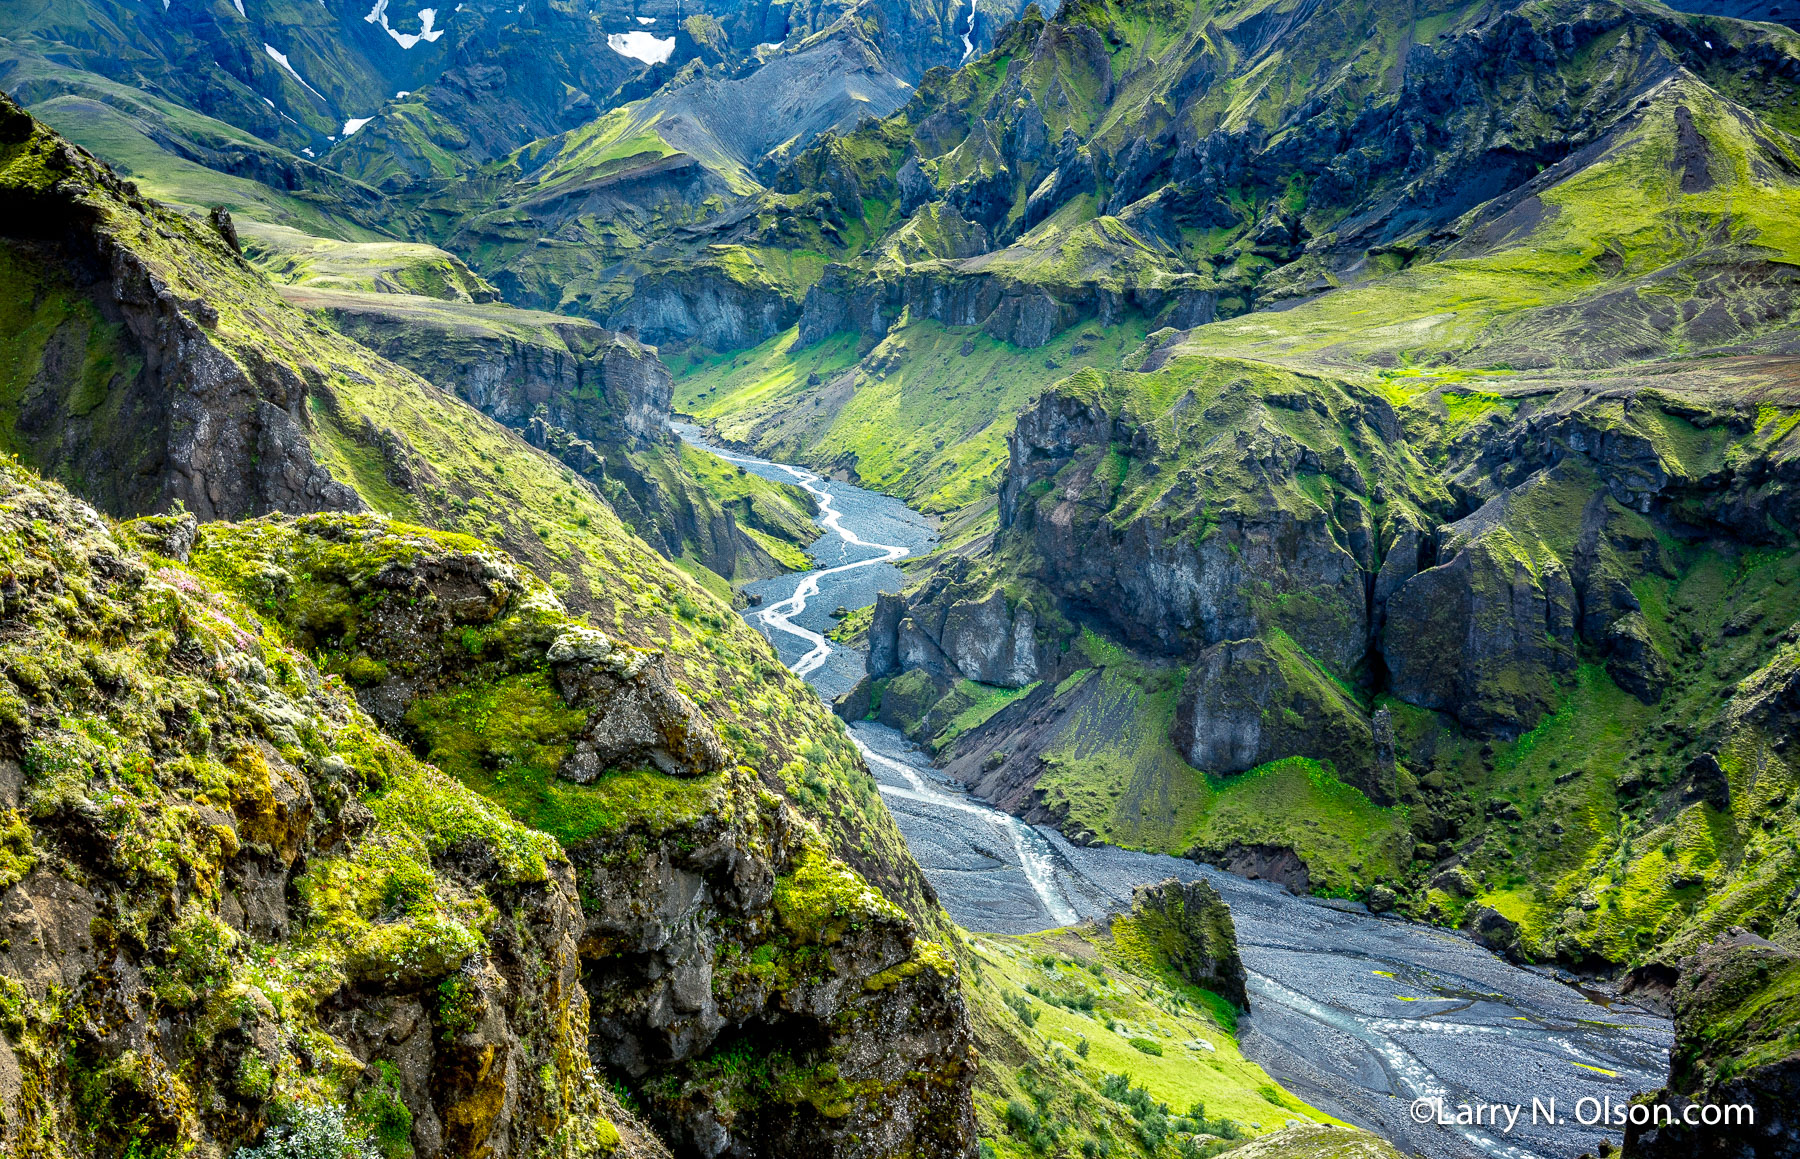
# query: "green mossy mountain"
x,y
230,895
1436,543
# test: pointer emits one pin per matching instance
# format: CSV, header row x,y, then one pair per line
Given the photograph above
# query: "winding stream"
x,y
1355,1014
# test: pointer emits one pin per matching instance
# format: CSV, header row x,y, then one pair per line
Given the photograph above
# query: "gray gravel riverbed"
x,y
1356,1014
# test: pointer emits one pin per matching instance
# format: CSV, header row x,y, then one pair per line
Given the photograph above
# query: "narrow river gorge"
x,y
1356,1014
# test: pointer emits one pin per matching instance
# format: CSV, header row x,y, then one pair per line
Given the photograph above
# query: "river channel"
x,y
1356,1014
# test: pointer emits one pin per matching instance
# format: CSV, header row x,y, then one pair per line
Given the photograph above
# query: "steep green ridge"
x,y
187,158
814,923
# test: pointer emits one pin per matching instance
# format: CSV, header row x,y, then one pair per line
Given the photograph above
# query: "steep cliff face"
x,y
1735,1007
598,401
229,902
753,989
515,365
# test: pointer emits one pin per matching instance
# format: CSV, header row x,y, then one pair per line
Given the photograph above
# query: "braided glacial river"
x,y
1358,1015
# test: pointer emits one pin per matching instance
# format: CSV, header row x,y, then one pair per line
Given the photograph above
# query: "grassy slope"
x,y
1058,1013
121,124
915,418
1618,220
387,267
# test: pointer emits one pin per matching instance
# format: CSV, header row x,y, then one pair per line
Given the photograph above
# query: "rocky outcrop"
x,y
514,365
1004,305
596,400
728,940
1189,927
988,640
1734,1009
704,307
1485,635
263,905
1150,578
1246,703
717,926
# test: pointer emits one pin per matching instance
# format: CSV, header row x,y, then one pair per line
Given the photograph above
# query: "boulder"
x,y
1248,702
1492,928
1708,782
1189,927
990,643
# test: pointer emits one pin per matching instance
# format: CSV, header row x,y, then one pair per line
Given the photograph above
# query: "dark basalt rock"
x,y
636,714
1277,863
1483,636
1492,928
668,961
195,416
1245,704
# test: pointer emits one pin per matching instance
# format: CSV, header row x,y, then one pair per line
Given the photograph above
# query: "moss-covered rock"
x,y
229,896
1188,927
1736,1005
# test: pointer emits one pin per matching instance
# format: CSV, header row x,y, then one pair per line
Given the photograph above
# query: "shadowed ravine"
x,y
1356,1014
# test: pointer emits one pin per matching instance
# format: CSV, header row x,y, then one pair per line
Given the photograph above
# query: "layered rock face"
x,y
592,383
1003,304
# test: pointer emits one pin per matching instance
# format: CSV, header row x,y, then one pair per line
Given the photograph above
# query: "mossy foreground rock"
x,y
1188,925
1737,1010
225,895
757,993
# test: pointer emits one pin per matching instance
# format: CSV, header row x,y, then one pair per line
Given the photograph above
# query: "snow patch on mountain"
x,y
644,46
427,18
355,123
281,59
